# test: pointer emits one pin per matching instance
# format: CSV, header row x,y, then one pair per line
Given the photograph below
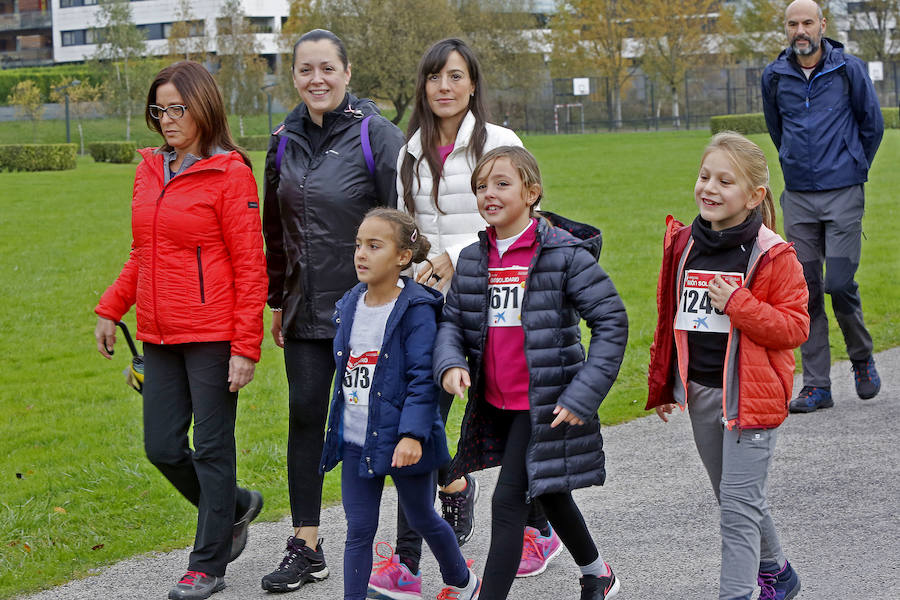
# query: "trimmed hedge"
x,y
46,78
756,123
113,152
254,142
37,157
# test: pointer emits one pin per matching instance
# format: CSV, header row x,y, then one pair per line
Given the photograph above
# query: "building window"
x,y
79,37
262,24
71,3
155,31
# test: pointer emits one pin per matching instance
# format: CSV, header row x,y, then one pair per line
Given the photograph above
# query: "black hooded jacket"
x,y
314,204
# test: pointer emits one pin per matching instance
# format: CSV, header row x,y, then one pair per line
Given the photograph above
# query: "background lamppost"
x,y
268,93
64,89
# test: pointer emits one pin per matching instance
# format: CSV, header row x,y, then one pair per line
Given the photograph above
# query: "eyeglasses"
x,y
175,111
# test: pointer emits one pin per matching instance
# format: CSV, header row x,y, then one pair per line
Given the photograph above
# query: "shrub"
x,y
114,152
37,157
44,77
254,142
756,123
745,124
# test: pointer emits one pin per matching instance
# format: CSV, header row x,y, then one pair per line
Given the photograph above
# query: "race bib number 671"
x,y
695,311
506,290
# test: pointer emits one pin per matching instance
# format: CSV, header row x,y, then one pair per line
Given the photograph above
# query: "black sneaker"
x,y
196,586
241,527
301,564
868,383
599,588
458,509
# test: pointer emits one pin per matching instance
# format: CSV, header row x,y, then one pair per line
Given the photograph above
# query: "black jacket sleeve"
x,y
386,140
275,258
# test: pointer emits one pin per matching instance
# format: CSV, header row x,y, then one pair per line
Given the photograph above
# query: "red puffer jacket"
x,y
197,270
769,319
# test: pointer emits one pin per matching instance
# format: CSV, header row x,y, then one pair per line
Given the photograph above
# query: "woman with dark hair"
x,y
197,274
332,160
447,134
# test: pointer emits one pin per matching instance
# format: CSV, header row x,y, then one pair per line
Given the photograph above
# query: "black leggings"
x,y
509,512
409,543
310,369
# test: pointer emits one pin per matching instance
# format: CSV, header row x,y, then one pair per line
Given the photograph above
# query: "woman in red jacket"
x,y
197,274
732,307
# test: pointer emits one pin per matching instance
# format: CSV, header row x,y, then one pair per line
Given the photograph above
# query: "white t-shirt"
x,y
366,338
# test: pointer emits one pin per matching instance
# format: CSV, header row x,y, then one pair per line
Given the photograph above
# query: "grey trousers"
x,y
737,462
826,228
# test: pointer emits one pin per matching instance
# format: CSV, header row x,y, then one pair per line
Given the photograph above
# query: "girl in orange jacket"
x,y
732,307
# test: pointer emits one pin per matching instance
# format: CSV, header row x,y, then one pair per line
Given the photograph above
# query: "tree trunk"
x,y
81,137
676,117
617,103
241,124
400,103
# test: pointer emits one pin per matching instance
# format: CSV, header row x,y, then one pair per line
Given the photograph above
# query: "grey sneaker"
x,y
196,586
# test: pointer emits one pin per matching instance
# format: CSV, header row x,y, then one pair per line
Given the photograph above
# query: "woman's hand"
x,y
719,292
665,409
439,274
455,381
564,416
240,372
277,333
408,452
105,334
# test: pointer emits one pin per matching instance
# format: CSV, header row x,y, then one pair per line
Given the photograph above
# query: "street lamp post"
x,y
65,90
266,89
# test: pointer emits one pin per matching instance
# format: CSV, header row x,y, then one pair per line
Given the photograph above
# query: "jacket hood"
x,y
412,293
154,160
350,108
463,135
572,233
768,240
833,52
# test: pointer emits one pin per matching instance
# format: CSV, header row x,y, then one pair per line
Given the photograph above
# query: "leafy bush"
x,y
756,122
44,77
114,152
254,142
37,157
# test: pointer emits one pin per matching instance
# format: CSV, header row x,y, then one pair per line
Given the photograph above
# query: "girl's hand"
x,y
665,409
455,381
564,416
439,274
240,372
719,292
105,334
408,452
277,334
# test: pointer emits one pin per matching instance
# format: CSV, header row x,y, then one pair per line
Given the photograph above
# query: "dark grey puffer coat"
x,y
313,206
564,284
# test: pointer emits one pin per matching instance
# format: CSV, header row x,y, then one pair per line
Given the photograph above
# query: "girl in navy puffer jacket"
x,y
511,333
384,416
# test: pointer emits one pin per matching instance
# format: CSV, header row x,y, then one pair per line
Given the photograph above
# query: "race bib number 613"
x,y
695,311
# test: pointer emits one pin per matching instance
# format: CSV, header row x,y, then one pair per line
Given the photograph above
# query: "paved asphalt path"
x,y
834,490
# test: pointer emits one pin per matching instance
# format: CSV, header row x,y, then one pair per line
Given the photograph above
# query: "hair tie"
x,y
414,236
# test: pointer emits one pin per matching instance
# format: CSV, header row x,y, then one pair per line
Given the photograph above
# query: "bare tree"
x,y
81,97
874,29
120,51
241,68
675,35
26,97
187,38
598,36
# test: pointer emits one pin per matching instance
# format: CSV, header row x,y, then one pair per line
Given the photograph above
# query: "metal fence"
x,y
647,106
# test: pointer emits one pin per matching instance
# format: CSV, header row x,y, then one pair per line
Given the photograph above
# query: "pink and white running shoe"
x,y
391,579
537,552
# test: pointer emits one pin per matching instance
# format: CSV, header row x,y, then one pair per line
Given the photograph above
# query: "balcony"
x,y
26,21
30,57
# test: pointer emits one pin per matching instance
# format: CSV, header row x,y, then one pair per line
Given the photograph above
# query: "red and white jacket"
x,y
769,319
197,270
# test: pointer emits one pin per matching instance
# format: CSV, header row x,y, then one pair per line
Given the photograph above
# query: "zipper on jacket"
x,y
153,265
200,276
816,76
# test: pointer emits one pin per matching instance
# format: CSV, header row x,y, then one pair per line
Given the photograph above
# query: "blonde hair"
x,y
750,163
522,161
406,233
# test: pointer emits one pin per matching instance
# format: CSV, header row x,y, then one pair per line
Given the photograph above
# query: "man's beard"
x,y
813,44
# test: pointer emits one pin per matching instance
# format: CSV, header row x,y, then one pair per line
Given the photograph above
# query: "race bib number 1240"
x,y
695,312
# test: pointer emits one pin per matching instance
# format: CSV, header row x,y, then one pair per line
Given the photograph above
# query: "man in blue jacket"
x,y
824,118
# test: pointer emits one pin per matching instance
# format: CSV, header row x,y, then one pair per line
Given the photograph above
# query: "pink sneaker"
x,y
537,552
391,579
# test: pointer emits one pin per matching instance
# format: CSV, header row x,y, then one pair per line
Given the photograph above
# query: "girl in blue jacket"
x,y
384,417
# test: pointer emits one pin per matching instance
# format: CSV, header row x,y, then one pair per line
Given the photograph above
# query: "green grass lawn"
x,y
76,491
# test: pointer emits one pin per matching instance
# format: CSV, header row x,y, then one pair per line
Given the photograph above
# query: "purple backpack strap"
x,y
282,144
367,145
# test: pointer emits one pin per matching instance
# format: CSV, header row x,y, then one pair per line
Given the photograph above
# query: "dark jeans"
x,y
409,543
185,381
310,369
361,497
509,512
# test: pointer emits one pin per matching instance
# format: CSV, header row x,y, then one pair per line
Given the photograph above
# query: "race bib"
x,y
695,312
506,289
358,378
